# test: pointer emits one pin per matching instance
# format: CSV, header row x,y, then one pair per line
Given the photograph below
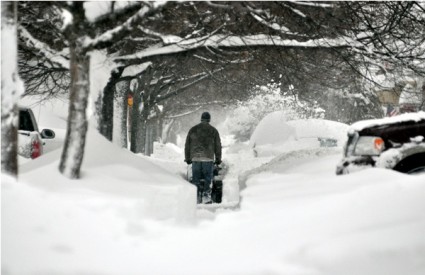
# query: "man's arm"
x,y
187,148
217,148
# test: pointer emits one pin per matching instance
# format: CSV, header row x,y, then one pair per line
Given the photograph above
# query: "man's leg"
x,y
196,179
207,171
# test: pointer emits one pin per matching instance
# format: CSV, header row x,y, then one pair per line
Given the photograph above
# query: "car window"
x,y
25,122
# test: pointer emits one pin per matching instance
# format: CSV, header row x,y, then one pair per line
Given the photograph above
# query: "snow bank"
x,y
119,173
363,223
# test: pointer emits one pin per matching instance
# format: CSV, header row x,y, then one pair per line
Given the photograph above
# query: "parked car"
x,y
275,135
30,140
396,143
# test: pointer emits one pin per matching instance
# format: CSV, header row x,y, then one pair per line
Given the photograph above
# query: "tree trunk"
x,y
153,133
159,130
145,137
150,137
136,123
140,117
73,151
121,108
107,114
11,89
142,135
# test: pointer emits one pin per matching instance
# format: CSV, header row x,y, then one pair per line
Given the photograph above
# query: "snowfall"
x,y
284,210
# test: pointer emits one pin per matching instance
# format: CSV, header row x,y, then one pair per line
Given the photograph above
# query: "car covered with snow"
x,y
396,143
30,140
277,134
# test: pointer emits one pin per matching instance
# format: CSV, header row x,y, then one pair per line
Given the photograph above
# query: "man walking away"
x,y
202,145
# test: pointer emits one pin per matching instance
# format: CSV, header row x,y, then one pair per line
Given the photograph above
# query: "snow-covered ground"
x,y
131,214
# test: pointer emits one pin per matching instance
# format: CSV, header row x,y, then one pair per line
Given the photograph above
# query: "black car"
x,y
396,143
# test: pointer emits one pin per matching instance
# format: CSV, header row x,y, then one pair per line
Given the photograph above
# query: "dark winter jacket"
x,y
203,142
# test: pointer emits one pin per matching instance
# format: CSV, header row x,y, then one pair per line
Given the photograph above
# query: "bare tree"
x,y
11,89
81,36
353,30
77,34
43,65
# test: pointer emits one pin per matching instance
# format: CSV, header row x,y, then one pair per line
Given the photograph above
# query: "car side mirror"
x,y
47,133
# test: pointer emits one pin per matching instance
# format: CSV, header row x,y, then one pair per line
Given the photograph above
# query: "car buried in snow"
x,y
30,140
396,143
275,134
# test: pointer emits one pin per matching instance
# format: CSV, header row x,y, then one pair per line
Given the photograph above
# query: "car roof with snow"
x,y
403,118
399,129
277,128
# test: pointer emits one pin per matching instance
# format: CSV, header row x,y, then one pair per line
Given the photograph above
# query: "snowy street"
x,y
212,138
295,217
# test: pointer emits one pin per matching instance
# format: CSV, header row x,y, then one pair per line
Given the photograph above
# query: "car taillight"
x,y
369,146
35,149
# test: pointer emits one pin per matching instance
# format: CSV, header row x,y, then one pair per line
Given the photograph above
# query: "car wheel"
x,y
417,170
414,164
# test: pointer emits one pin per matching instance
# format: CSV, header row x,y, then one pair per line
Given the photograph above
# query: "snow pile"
x,y
370,222
115,171
275,135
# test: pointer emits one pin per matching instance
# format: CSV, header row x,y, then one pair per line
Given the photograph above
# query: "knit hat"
x,y
206,117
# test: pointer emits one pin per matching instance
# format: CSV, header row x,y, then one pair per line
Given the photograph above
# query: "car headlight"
x,y
369,146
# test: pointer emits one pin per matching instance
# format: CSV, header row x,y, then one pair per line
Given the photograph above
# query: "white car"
x,y
275,134
30,140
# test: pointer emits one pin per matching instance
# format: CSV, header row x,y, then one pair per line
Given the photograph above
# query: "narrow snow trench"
x,y
241,164
239,160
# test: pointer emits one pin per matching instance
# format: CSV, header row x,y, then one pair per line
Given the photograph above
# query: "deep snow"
x,y
130,214
135,215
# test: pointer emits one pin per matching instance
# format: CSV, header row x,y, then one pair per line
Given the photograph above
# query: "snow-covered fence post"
x,y
11,89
